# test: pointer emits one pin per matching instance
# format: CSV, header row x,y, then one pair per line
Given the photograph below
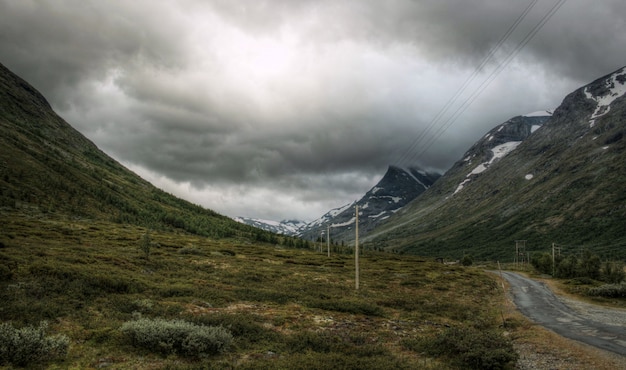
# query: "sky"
x,y
286,109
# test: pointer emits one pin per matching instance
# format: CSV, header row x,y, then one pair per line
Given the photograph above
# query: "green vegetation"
x,y
586,266
177,337
470,347
272,306
29,345
572,198
609,291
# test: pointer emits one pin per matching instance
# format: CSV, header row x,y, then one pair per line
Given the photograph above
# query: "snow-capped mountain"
x,y
397,188
285,227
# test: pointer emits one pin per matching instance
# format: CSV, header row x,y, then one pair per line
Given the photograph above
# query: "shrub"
x,y
472,348
145,244
613,272
245,327
30,344
542,262
467,260
177,337
609,291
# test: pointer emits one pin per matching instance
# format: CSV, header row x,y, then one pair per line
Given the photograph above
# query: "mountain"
x,y
396,189
285,227
48,169
563,184
495,145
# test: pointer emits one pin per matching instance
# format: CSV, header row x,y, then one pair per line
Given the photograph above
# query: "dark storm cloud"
x,y
295,106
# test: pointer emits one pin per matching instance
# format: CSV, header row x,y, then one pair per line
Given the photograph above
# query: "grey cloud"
x,y
164,86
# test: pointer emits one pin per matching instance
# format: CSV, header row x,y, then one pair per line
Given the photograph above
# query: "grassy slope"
x,y
47,166
283,305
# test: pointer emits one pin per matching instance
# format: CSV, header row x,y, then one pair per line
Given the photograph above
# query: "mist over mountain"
x,y
562,184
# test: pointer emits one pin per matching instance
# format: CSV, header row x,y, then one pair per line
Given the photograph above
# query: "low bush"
x,y
177,337
247,328
30,345
470,347
609,291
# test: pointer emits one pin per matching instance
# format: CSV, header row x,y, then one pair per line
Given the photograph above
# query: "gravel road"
x,y
597,326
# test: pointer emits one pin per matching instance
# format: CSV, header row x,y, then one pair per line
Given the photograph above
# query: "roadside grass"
x,y
285,308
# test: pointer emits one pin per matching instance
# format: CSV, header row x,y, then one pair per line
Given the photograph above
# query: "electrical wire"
x,y
410,156
466,84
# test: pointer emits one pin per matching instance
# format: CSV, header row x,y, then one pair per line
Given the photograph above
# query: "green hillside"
x,y
49,168
563,184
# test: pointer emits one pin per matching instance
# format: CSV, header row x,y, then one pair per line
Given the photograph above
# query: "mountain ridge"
x,y
393,191
558,186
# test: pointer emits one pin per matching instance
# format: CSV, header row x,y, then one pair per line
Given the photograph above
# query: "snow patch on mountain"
x,y
499,151
378,215
617,88
286,227
344,224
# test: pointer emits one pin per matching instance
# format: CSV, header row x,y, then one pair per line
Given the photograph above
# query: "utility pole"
x,y
356,247
553,260
321,240
520,250
555,249
328,239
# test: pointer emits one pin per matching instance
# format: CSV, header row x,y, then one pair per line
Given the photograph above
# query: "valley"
x,y
101,269
283,306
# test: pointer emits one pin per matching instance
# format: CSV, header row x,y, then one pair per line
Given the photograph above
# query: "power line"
x,y
490,78
529,36
466,84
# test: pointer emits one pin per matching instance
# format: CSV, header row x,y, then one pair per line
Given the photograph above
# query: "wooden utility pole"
x,y
328,239
520,250
356,247
555,249
553,260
